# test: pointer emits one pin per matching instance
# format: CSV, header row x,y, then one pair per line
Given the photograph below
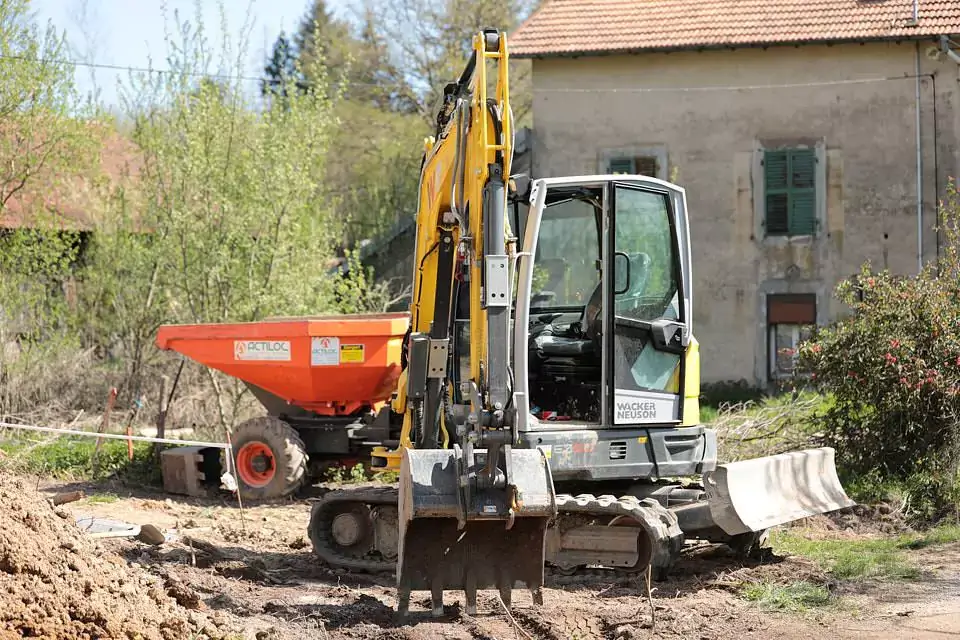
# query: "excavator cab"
x,y
620,317
607,385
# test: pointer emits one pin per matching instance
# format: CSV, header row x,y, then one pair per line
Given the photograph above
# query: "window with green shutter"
x,y
640,165
621,165
791,192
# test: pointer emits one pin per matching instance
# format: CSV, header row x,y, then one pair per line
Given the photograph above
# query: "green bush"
x,y
892,366
72,459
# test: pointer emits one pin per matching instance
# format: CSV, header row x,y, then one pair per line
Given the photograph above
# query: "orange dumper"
x,y
325,383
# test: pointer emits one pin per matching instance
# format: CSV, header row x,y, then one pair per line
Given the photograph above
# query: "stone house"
x,y
36,193
811,136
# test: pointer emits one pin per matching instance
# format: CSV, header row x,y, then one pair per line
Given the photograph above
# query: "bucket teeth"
x,y
449,541
484,555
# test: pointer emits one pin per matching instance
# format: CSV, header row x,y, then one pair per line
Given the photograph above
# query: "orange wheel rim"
x,y
255,464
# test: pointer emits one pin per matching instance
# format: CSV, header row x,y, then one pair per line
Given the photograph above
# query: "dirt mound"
x,y
57,583
862,519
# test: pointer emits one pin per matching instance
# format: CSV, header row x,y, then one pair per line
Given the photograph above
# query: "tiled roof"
x,y
70,197
562,27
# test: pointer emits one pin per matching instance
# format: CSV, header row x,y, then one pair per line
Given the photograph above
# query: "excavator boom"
x,y
473,516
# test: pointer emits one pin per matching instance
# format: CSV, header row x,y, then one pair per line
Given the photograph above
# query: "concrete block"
x,y
182,470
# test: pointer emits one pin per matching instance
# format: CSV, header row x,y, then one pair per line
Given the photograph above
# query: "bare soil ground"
x,y
256,577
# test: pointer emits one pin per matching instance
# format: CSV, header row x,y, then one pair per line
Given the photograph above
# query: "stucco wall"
x,y
866,138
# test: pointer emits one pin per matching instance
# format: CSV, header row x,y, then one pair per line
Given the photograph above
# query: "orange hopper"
x,y
329,365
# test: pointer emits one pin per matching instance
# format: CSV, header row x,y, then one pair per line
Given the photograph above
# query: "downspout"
x,y
936,163
919,163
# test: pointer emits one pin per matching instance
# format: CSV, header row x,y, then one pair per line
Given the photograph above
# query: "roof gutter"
x,y
719,47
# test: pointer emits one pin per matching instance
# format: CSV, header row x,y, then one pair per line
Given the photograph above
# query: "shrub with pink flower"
x,y
892,366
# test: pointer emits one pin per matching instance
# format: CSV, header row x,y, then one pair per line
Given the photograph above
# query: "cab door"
x,y
649,318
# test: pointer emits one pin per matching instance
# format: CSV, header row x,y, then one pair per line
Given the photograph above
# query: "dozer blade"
x,y
469,540
753,495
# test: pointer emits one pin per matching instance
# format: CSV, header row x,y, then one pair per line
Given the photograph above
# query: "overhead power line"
x,y
196,74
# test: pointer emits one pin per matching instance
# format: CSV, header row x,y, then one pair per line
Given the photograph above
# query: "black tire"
x,y
289,457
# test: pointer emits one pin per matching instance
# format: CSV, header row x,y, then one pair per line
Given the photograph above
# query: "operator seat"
x,y
579,338
583,337
565,362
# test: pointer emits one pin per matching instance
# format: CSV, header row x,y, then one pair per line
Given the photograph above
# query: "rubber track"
x,y
660,523
320,522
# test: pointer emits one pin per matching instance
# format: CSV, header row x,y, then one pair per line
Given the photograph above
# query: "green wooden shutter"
x,y
790,185
777,188
803,197
621,165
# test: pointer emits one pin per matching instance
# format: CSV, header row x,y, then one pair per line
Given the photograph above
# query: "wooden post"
x,y
133,416
161,414
104,425
165,400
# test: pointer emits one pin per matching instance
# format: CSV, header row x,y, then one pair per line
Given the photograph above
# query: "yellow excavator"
x,y
548,407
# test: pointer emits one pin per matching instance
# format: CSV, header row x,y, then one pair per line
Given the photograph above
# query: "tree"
x,y
48,142
42,132
371,179
390,93
357,62
226,219
432,39
281,69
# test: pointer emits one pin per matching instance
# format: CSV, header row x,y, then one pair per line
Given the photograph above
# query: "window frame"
x,y
633,161
799,222
774,373
762,149
654,153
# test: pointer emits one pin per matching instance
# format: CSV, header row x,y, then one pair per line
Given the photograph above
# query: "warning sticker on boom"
x,y
351,353
324,351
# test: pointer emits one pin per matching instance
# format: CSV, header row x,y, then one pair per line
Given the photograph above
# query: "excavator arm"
x,y
461,239
472,515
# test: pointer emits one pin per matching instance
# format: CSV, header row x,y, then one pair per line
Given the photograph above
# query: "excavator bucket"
x,y
753,495
452,538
